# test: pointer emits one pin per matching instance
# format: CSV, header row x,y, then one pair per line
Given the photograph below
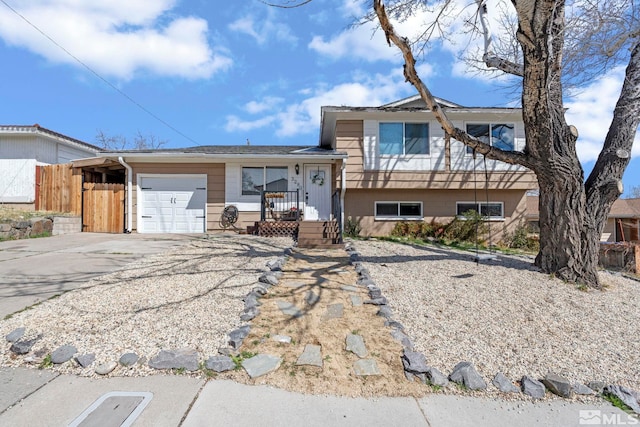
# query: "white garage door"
x,y
172,204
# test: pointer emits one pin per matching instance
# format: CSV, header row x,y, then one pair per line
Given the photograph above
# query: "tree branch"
x,y
411,76
489,57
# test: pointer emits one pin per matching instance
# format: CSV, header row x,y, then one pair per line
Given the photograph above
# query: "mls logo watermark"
x,y
595,417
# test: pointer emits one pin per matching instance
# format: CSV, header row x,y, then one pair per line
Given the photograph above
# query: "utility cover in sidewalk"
x,y
117,409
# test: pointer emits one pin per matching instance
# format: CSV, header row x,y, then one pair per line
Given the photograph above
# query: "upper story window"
x,y
254,179
499,135
404,138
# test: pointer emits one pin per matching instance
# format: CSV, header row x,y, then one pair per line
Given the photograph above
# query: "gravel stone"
x,y
558,385
63,354
15,335
249,313
414,362
504,384
403,338
238,335
464,373
269,279
597,386
185,358
220,363
532,387
128,359
435,377
85,360
23,347
105,368
579,388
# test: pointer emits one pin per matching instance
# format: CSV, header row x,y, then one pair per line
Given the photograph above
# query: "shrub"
x,y
352,228
470,228
520,238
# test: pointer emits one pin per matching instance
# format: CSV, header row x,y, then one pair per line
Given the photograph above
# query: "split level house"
x,y
374,165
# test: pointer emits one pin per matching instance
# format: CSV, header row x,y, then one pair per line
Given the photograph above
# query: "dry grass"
x,y
8,213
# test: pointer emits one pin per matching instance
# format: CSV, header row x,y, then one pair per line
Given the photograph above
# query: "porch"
x,y
282,215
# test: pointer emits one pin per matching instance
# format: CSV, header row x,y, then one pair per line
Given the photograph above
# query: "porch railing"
x,y
280,206
336,210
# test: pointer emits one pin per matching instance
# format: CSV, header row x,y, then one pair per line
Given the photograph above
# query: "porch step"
x,y
319,234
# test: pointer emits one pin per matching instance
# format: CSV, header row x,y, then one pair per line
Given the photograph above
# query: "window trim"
x,y
252,197
398,217
491,202
468,151
404,154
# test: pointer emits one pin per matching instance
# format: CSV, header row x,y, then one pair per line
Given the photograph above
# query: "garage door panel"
x,y
174,204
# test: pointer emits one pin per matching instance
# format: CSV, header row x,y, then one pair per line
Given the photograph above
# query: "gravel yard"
x,y
506,316
500,315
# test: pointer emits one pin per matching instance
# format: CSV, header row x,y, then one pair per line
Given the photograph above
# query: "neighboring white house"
x,y
24,147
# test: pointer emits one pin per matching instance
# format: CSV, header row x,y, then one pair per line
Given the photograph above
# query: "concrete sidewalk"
x,y
33,270
43,398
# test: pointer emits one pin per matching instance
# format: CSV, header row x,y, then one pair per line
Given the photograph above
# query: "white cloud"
x,y
591,109
303,116
117,38
264,29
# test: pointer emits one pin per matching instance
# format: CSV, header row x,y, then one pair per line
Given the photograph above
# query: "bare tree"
x,y
554,49
634,193
119,142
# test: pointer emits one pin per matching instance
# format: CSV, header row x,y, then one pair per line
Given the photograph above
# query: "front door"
x,y
317,192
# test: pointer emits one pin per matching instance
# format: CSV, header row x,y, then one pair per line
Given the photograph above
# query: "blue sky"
x,y
212,74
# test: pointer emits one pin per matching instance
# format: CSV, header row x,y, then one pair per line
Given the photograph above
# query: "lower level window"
x,y
492,210
399,210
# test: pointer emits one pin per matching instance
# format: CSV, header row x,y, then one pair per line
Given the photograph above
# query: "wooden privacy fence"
x,y
59,189
103,208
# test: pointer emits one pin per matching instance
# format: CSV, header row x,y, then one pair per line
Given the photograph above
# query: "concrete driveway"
x,y
33,270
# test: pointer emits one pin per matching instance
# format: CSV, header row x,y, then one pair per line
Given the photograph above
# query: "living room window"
x,y
254,179
499,135
398,210
399,138
491,210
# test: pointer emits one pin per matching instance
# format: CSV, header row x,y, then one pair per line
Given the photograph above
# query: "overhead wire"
x,y
96,74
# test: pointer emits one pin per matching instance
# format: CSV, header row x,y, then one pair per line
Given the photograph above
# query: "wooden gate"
x,y
103,208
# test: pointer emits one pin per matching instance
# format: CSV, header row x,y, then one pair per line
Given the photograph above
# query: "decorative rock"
x,y
251,300
365,281
579,388
275,264
597,386
261,364
376,301
220,363
288,251
355,344
403,338
128,359
374,292
289,309
311,356
349,288
532,387
311,298
464,373
285,339
105,368
85,360
249,313
62,354
558,385
356,300
503,384
435,377
185,358
260,290
238,335
334,311
23,347
15,335
385,311
354,257
627,396
393,324
366,367
268,278
414,362
361,269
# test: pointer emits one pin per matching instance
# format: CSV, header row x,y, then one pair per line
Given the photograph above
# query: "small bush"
x,y
352,228
520,238
470,228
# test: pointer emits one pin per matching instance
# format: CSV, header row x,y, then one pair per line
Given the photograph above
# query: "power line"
x,y
95,73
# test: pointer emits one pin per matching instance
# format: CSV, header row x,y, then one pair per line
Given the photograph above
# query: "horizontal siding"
x,y
17,180
28,147
438,205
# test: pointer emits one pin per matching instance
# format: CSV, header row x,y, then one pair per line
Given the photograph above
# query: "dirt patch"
x,y
329,275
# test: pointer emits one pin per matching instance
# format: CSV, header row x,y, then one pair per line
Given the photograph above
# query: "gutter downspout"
x,y
343,189
129,194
